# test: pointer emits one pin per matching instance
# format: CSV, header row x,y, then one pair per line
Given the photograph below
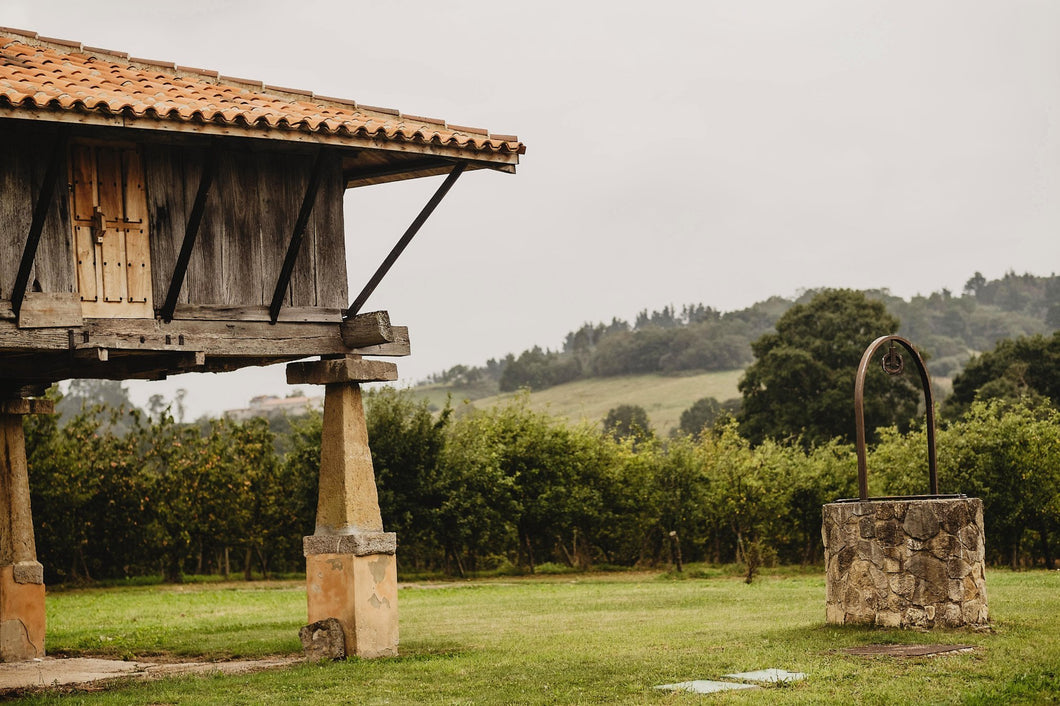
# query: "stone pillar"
x,y
21,575
905,562
351,567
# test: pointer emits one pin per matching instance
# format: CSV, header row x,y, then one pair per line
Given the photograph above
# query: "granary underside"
x,y
159,220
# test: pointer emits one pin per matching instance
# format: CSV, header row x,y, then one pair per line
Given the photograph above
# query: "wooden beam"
x,y
94,355
215,338
424,214
223,338
438,171
308,201
221,312
485,159
399,347
191,232
394,169
227,365
153,366
15,340
50,310
40,212
27,406
369,329
87,363
16,389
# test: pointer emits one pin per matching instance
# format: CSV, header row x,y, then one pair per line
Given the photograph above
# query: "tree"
x,y
100,398
700,415
406,442
802,381
975,284
1025,368
1005,453
628,420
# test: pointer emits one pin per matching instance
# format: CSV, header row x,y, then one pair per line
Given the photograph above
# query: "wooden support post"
x,y
351,566
21,575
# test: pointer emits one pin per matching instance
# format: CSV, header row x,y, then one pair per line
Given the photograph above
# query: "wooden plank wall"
x,y
23,161
319,277
329,235
169,200
247,224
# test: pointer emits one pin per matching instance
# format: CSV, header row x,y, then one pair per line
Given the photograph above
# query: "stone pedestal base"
x,y
21,612
353,579
905,562
21,575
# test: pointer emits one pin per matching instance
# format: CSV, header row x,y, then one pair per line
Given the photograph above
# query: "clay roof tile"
x,y
40,73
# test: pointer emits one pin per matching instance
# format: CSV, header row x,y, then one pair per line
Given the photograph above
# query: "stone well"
x,y
906,562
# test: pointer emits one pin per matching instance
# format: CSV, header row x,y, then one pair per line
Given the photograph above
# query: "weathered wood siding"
x,y
24,156
248,222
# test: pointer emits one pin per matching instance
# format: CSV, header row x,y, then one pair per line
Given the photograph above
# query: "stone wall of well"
x,y
905,562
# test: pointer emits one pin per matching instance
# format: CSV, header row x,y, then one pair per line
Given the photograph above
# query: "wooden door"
x,y
108,208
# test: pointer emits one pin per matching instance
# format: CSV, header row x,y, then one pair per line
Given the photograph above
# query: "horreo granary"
x,y
159,219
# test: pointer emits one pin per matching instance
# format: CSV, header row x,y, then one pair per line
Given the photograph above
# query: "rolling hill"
x,y
664,397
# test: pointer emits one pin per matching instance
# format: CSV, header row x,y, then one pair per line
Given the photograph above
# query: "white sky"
x,y
717,151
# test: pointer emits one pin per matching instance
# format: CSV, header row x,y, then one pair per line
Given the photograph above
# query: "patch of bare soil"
x,y
90,672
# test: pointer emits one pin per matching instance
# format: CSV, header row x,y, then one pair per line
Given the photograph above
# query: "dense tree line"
x,y
947,328
667,341
488,489
156,496
117,492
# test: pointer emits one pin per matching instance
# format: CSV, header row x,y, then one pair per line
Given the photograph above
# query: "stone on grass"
x,y
705,686
323,639
768,675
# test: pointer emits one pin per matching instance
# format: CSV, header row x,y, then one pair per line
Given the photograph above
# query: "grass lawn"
x,y
594,638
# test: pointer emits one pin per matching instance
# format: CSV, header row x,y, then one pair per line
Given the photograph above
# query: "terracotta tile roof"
x,y
66,79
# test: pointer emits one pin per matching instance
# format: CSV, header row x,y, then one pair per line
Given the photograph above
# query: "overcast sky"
x,y
713,151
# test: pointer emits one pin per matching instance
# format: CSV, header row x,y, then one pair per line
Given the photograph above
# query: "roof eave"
x,y
478,158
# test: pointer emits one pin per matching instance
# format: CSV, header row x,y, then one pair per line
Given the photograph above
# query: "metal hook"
x,y
892,362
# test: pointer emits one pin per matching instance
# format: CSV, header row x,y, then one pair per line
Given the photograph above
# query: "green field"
x,y
664,397
593,638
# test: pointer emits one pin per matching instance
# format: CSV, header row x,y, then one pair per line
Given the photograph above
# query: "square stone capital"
x,y
358,544
28,572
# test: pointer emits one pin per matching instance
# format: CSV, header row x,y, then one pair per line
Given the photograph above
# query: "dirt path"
x,y
52,671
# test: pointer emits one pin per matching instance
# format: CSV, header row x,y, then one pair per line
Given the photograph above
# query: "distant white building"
x,y
270,405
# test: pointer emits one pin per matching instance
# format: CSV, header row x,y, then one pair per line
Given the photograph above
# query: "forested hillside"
x,y
947,328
